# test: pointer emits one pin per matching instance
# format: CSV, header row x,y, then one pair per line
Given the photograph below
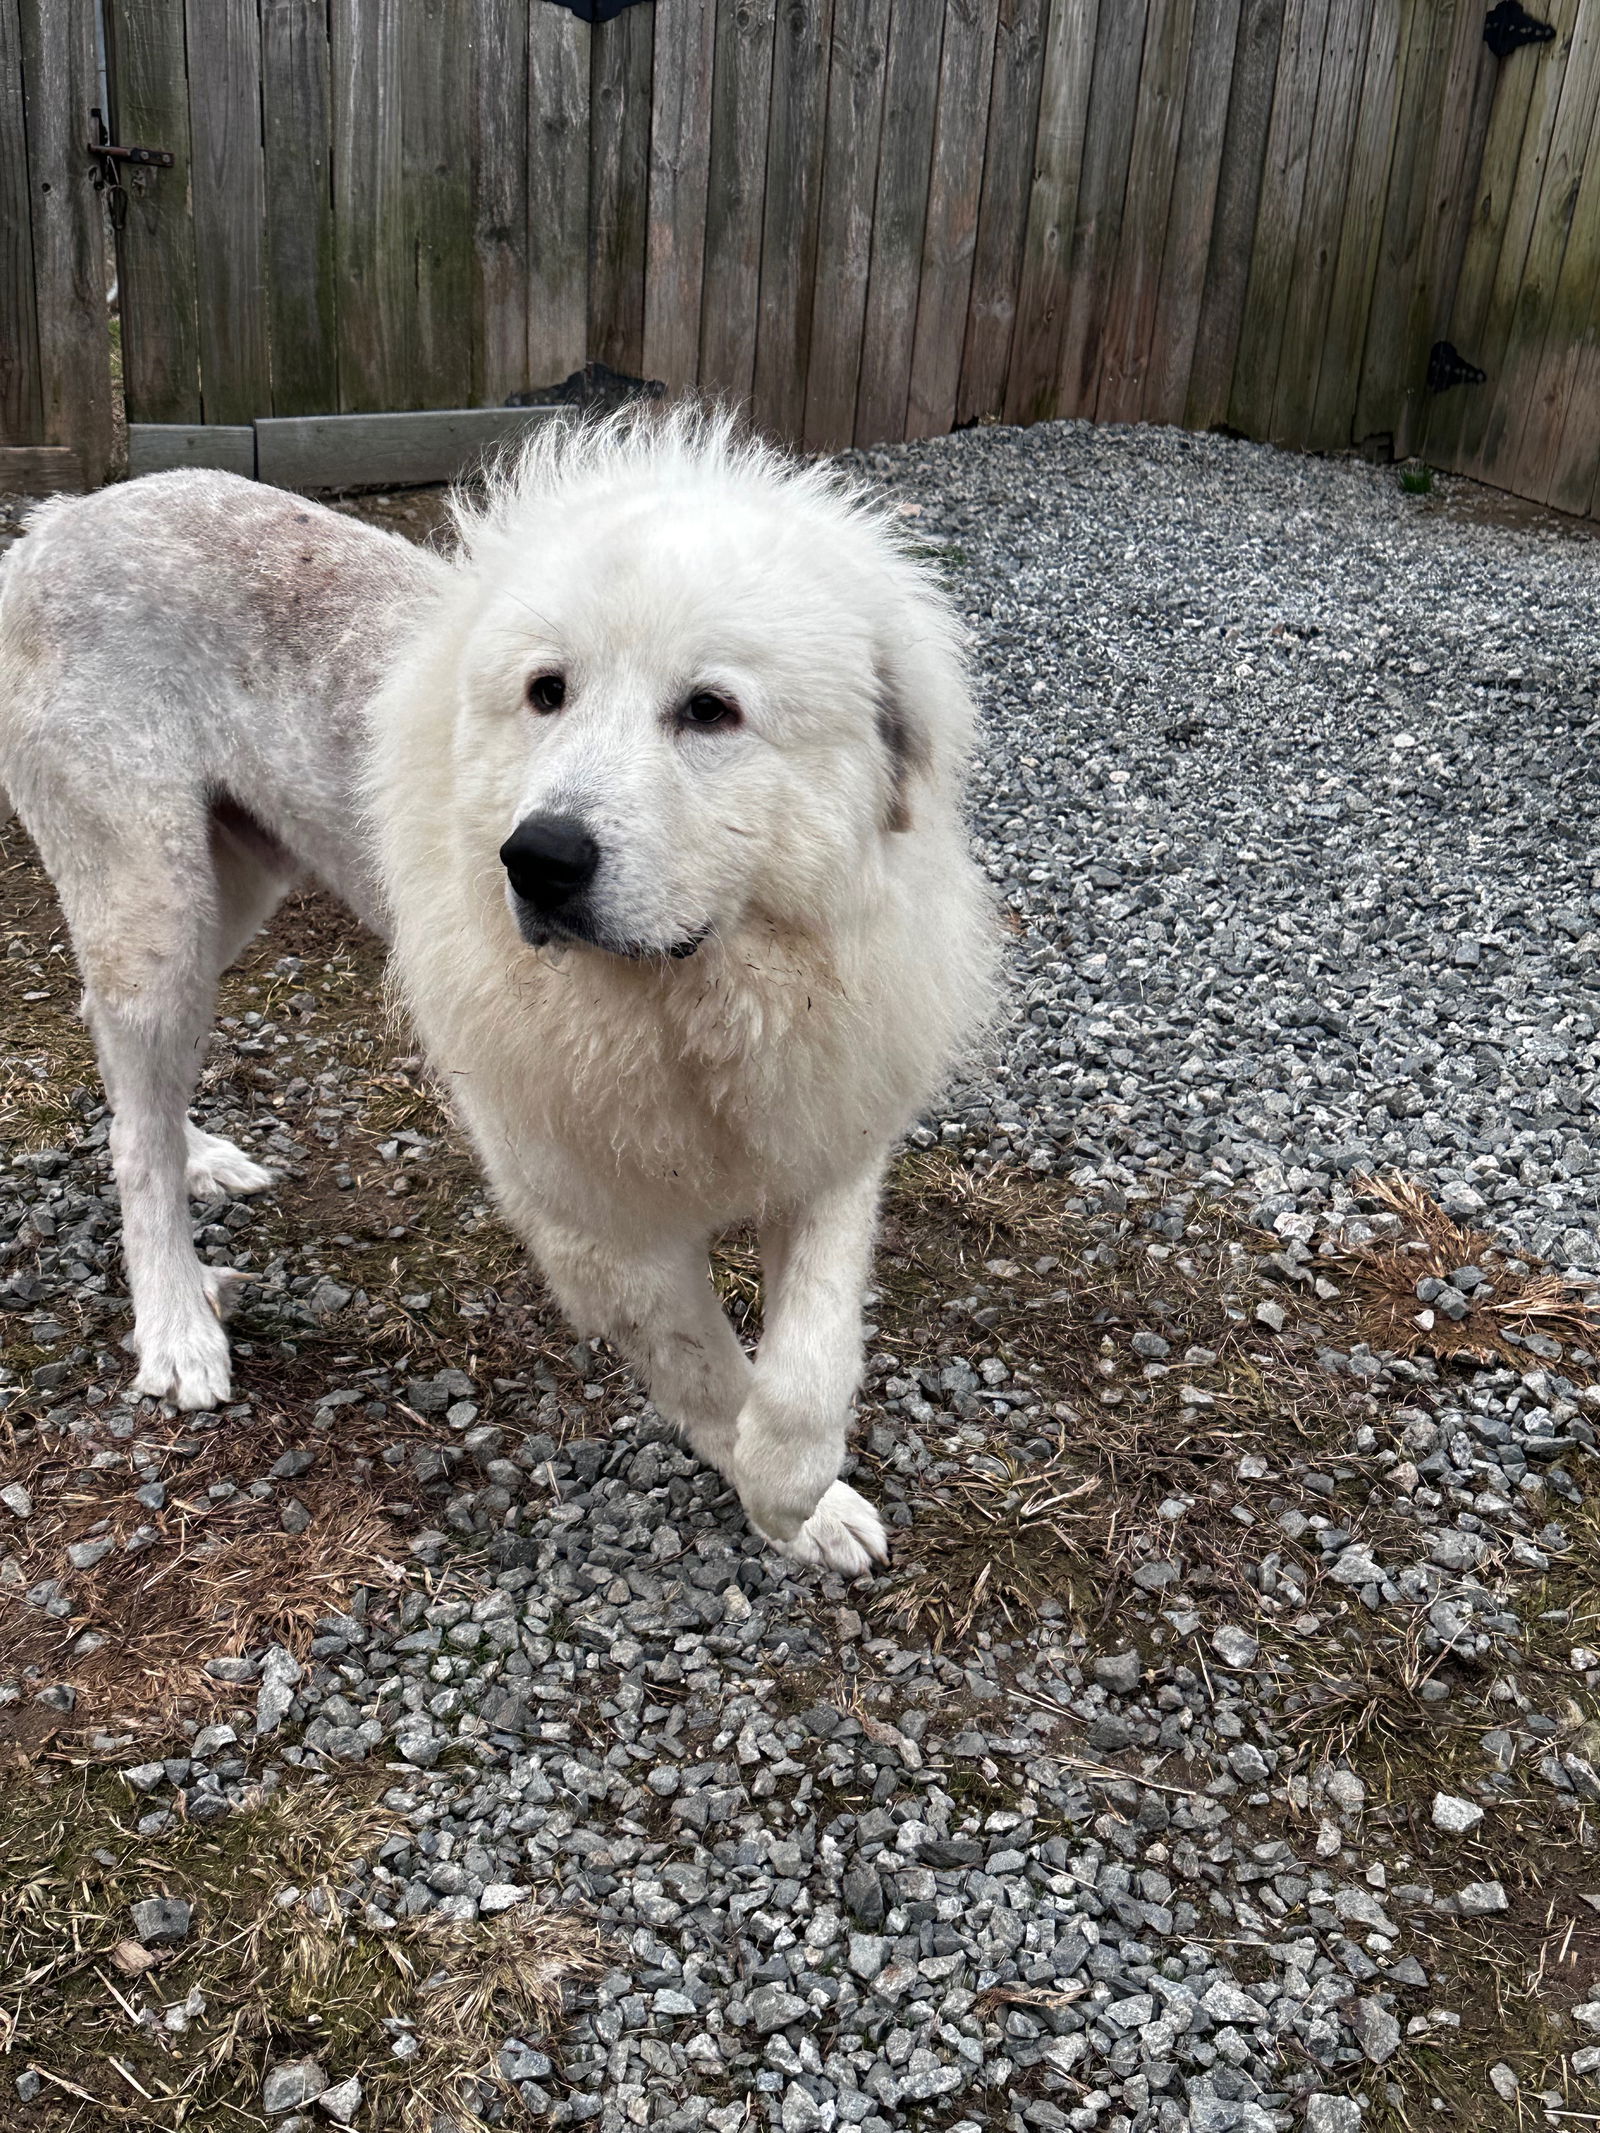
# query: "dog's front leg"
x,y
790,1441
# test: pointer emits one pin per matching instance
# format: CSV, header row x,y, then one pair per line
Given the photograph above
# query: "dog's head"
x,y
700,688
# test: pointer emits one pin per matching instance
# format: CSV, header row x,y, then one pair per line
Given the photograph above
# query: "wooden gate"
x,y
55,351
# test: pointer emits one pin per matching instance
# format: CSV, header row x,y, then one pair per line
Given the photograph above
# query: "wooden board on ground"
x,y
40,470
372,451
158,447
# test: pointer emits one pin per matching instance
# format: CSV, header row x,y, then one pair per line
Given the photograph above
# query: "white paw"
x,y
217,1169
843,1533
187,1365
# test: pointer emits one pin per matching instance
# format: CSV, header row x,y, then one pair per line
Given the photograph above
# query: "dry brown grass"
x,y
277,1980
1528,1297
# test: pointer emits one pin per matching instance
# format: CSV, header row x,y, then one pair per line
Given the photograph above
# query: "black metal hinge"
x,y
1446,368
1508,25
109,156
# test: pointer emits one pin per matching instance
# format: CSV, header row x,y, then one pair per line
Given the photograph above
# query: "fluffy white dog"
x,y
655,788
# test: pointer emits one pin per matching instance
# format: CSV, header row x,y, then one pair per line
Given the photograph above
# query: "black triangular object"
x,y
595,10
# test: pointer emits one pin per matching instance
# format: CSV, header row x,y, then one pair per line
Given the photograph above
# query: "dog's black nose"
x,y
551,859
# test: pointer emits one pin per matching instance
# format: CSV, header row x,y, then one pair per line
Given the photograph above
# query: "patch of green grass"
x,y
1417,481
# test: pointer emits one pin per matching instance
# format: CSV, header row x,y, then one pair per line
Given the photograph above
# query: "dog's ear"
x,y
905,744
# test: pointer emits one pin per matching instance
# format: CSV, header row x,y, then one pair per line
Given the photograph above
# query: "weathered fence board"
x,y
21,407
680,152
1102,189
1128,342
223,39
436,178
1032,385
1186,241
297,133
619,166
1003,207
558,193
844,236
741,98
899,221
500,197
1233,222
791,213
950,236
160,326
368,206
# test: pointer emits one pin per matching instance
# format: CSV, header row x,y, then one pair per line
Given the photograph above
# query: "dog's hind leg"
x,y
151,954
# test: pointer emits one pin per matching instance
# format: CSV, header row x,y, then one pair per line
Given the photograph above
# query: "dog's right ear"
x,y
905,742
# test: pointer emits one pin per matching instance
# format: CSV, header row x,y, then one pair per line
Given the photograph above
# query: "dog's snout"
x,y
550,860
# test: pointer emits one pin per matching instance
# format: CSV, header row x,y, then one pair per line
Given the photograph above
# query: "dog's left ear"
x,y
905,742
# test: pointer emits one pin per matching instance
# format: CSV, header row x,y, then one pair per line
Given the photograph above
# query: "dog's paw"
x,y
843,1533
217,1170
188,1366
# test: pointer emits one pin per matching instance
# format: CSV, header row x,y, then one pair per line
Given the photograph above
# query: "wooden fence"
x,y
872,219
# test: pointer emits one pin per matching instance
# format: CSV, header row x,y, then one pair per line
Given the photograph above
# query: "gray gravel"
x,y
1290,777
1283,777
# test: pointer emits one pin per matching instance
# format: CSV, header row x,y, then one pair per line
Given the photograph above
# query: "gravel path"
x,y
1236,1829
1288,774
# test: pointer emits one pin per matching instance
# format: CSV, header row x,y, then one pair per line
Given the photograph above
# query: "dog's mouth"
x,y
544,929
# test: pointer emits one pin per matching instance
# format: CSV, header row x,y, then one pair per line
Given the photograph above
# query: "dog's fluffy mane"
x,y
757,1065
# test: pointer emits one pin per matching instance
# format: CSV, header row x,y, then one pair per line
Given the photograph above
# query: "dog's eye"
x,y
547,692
706,709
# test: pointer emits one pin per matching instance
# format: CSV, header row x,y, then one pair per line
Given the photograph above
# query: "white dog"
x,y
655,788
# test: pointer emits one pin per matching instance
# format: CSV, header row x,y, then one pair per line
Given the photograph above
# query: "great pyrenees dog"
x,y
654,786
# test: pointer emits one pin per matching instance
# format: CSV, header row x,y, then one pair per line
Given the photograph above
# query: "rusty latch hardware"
x,y
1508,25
108,156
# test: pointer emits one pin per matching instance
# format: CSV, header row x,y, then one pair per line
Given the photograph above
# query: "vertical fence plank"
x,y
1239,178
1560,447
950,238
297,123
1191,210
791,214
500,195
1031,386
228,193
844,237
741,93
1316,252
1516,402
1013,122
680,147
1102,189
619,184
1128,342
61,81
1356,259
1511,145
1391,361
558,193
160,330
21,409
436,149
1278,217
375,294
905,161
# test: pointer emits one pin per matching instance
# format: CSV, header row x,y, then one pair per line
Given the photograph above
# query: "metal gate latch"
x,y
1508,24
108,158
